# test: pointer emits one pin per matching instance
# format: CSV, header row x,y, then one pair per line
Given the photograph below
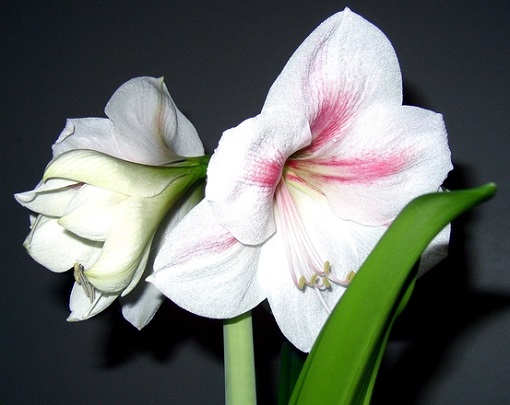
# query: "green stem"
x,y
239,361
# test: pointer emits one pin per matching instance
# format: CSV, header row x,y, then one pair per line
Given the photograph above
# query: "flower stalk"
x,y
240,387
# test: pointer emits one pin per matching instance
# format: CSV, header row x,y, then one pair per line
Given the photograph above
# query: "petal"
x,y
139,306
150,123
112,174
50,198
139,270
91,211
82,308
145,127
301,314
246,168
98,134
390,156
56,248
205,270
345,65
436,251
125,250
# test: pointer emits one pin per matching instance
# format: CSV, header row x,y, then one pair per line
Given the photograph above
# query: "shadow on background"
x,y
442,308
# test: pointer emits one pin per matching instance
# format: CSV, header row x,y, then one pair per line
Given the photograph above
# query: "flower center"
x,y
306,266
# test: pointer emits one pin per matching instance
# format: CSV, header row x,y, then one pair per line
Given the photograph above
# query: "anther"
x,y
80,278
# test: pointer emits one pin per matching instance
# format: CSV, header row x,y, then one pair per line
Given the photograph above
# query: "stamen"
x,y
80,278
306,266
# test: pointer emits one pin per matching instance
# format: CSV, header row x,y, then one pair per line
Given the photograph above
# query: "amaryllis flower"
x,y
298,196
108,188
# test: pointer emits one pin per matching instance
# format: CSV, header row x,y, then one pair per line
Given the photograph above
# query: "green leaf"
x,y
343,364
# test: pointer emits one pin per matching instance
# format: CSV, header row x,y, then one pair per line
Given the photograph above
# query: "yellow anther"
x,y
327,268
350,276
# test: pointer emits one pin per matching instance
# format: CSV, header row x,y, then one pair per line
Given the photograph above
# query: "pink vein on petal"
x,y
332,117
206,247
264,173
354,170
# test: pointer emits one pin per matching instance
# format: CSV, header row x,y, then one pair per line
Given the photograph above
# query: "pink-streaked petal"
x,y
204,269
344,244
50,198
246,168
390,156
57,249
345,66
150,123
81,307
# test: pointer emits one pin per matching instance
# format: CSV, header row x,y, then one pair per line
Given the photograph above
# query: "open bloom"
x,y
108,188
298,196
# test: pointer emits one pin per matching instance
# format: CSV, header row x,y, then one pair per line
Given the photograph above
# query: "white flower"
x,y
298,196
108,188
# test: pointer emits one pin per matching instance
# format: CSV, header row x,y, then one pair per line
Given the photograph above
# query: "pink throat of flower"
x,y
306,266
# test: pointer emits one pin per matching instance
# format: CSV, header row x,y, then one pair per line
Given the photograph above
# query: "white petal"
x,y
345,65
436,251
113,174
56,248
98,134
205,270
125,248
140,306
388,157
90,213
139,270
150,123
50,198
145,127
82,308
245,169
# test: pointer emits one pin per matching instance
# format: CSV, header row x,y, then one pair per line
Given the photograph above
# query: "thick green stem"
x,y
239,361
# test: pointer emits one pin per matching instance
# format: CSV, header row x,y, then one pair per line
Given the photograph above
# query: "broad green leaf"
x,y
343,363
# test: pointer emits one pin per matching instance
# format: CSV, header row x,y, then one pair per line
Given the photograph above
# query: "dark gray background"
x,y
219,59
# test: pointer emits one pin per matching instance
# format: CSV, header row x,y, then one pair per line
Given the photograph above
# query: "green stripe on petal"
x,y
114,174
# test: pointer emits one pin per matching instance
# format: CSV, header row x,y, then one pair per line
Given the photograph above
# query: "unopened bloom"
x,y
108,188
298,196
